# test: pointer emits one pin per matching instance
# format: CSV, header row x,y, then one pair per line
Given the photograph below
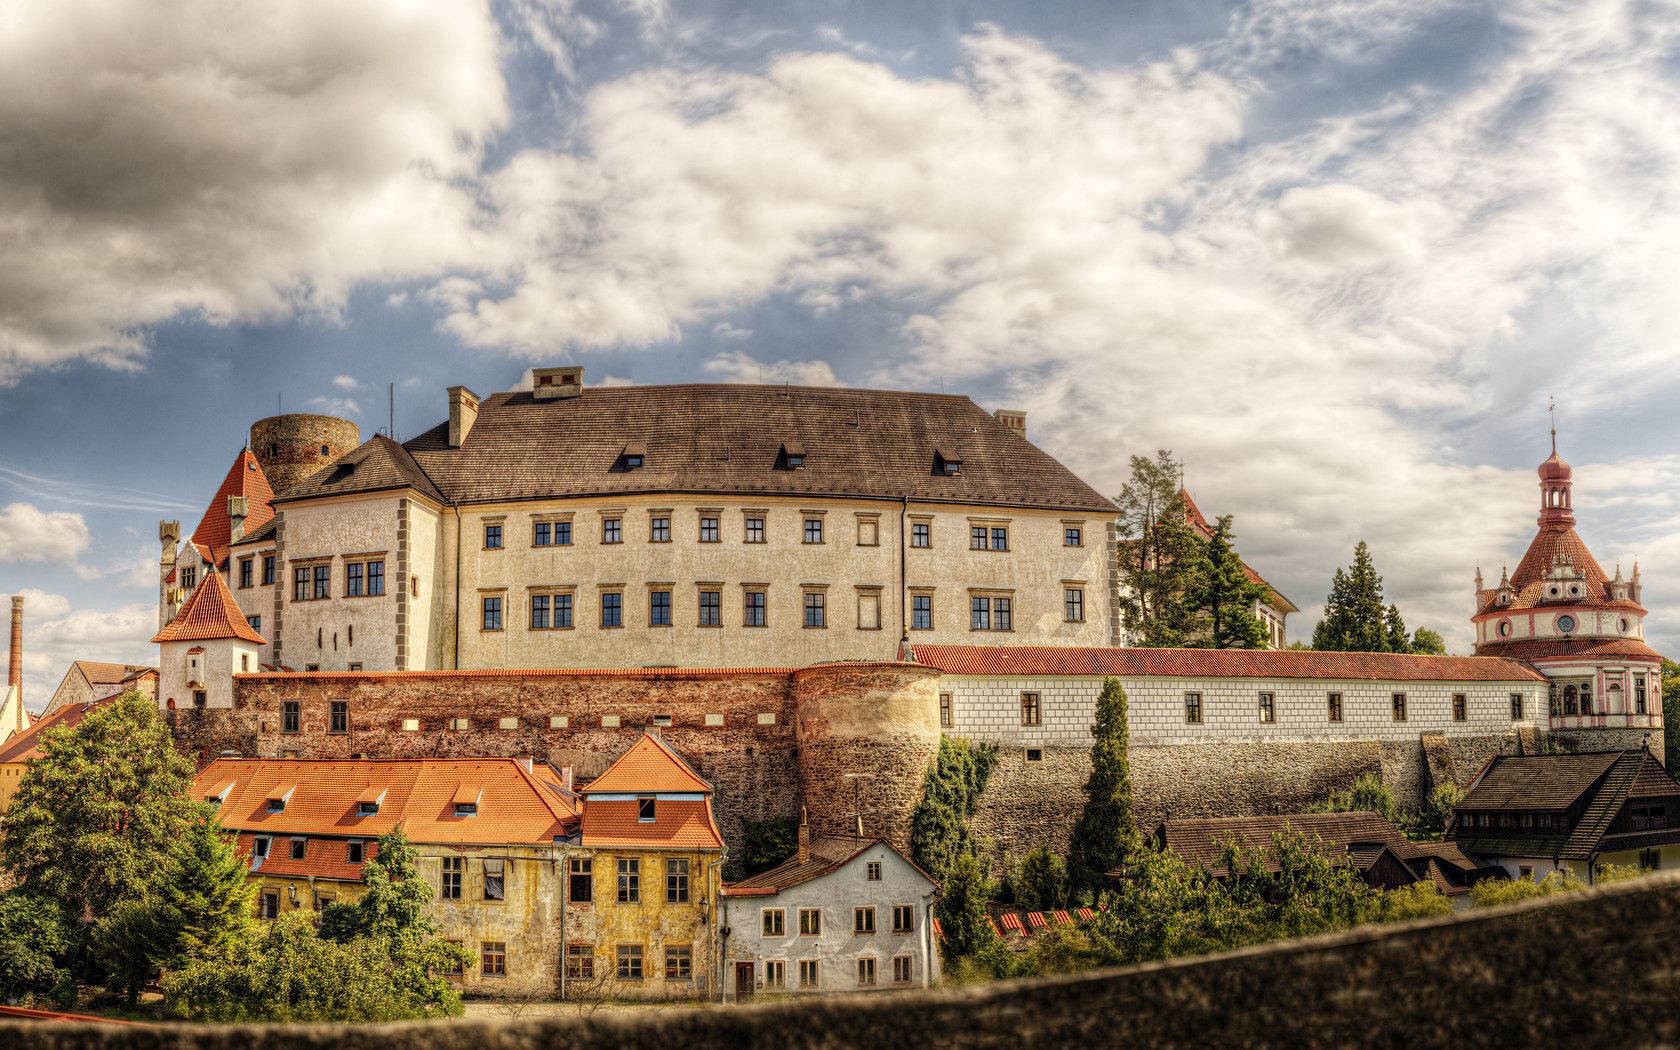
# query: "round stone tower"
x,y
867,734
294,446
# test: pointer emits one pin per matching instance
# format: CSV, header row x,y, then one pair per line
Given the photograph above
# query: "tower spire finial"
x,y
1551,410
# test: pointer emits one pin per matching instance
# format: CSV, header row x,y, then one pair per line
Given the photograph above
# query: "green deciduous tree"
x,y
128,942
1228,595
767,843
1106,831
393,905
95,815
35,936
1490,892
1428,643
1162,560
1368,794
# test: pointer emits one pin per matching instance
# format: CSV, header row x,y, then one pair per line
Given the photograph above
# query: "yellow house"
x,y
639,919
25,746
490,833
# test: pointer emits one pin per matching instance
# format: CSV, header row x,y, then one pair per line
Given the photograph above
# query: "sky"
x,y
1337,254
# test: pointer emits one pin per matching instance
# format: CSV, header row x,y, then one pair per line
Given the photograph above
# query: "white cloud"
x,y
55,634
346,382
242,161
725,330
28,534
336,406
737,366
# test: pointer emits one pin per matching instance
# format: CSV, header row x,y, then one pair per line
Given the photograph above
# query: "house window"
x,y
659,530
1516,707
816,614
945,710
869,611
872,871
865,971
453,870
711,608
1073,536
612,609
1459,705
659,608
338,718
809,973
612,530
492,959
629,962
492,613
810,922
773,922
709,532
1193,708
495,876
268,569
1399,705
775,973
1030,713
863,920
247,571
869,532
291,716
679,963
755,528
902,969
1073,604
580,879
1639,701
813,530
259,847
921,612
1334,702
921,534
580,962
492,537
904,918
629,880
752,612
355,851
988,614
1268,707
299,848
270,907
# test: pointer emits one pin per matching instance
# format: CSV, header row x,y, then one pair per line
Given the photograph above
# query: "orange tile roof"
x,y
1556,540
323,858
649,767
1052,660
98,673
516,807
25,746
1544,650
677,824
209,614
215,529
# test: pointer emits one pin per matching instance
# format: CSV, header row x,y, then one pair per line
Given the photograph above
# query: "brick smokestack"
x,y
14,675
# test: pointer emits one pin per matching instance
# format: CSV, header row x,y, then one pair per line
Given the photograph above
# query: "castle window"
x,y
865,972
752,608
1073,604
612,609
323,581
200,698
1193,708
1398,701
816,609
189,576
1268,707
247,571
580,880
291,716
1565,623
270,906
1000,538
869,610
255,622
904,918
659,608
1650,859
872,871
709,531
1031,714
945,710
1586,698
813,530
612,530
338,721
353,579
869,532
1639,701
921,534
551,534
987,613
755,529
1516,707
376,577
539,612
659,529
268,569
1333,702
711,608
492,613
1073,536
977,537
1569,700
492,537
1459,707
1035,754
921,612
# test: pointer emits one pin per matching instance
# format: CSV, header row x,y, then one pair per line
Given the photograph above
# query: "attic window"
x,y
277,799
947,462
635,453
367,803
466,809
645,810
466,800
793,455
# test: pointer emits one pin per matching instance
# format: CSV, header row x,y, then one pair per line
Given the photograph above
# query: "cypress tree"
x,y
964,923
1229,595
1106,833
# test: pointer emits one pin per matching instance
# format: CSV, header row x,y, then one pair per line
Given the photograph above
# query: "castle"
x,y
802,590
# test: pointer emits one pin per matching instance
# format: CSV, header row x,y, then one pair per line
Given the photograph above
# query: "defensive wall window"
x,y
450,887
1268,707
493,537
676,880
1031,714
629,962
1034,754
1459,707
1516,707
1333,702
492,613
291,716
338,717
492,960
200,698
495,874
247,567
1398,701
1193,708
629,880
679,963
580,879
1073,604
773,922
921,612
945,710
865,972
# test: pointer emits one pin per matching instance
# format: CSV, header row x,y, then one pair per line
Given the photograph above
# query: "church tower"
x,y
1576,624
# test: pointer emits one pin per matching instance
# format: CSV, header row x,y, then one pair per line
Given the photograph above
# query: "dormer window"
x,y
466,809
948,462
278,797
634,454
646,810
218,796
367,803
793,455
466,800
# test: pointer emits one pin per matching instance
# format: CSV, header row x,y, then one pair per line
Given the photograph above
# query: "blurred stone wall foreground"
x,y
1592,969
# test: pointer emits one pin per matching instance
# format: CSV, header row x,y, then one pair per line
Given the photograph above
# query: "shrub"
x,y
1491,892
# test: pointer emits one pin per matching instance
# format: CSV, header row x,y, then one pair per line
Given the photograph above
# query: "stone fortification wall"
x,y
1458,981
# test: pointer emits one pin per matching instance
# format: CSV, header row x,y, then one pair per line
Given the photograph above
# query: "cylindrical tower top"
x,y
294,446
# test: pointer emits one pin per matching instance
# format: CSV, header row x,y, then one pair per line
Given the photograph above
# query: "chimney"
x,y
1014,419
566,777
527,762
552,384
239,508
860,825
804,853
169,535
14,673
463,413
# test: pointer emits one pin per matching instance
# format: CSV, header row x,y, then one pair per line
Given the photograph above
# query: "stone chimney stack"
x,y
463,413
1014,419
239,508
14,673
804,853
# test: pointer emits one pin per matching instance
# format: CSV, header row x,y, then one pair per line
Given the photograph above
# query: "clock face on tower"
x,y
1566,623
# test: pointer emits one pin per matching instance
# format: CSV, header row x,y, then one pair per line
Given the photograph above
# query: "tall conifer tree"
x,y
1229,595
1106,833
1356,619
1162,560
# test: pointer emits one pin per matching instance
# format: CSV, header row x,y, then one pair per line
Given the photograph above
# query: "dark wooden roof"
x,y
1537,783
1597,785
724,439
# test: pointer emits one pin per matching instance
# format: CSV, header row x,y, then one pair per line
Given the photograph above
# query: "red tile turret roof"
x,y
649,767
1542,650
215,529
1555,542
210,613
1050,660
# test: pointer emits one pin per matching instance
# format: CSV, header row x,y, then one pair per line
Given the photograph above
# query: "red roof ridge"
x,y
215,530
1092,661
620,770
